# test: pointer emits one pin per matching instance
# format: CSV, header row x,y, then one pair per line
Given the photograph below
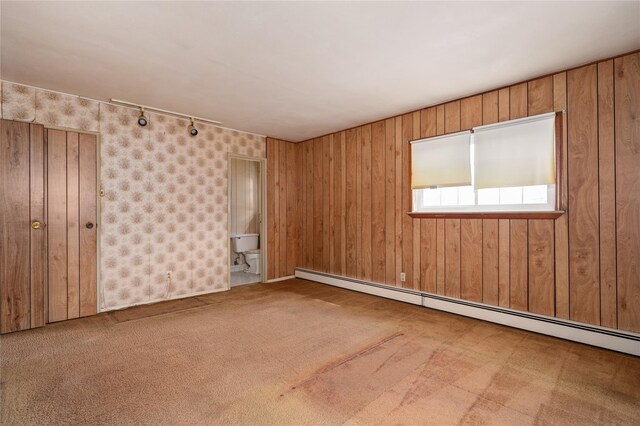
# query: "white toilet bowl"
x,y
253,259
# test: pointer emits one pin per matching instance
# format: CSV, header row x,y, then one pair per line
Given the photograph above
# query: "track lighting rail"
x,y
164,111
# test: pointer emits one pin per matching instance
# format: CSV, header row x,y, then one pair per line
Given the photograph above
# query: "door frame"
x,y
263,213
99,195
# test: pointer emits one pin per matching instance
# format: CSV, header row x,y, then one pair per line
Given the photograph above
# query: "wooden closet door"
x,y
72,231
22,244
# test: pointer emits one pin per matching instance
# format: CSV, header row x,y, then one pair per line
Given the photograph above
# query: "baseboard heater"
x,y
607,338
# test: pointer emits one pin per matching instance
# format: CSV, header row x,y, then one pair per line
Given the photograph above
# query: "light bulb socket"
x,y
142,119
192,129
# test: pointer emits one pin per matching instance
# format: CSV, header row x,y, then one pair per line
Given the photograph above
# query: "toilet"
x,y
248,245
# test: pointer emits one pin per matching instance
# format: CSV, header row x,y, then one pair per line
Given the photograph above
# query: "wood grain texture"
x,y
452,257
490,107
415,238
358,142
15,294
504,259
326,212
607,196
470,112
541,267
366,204
428,123
308,148
73,229
88,213
276,212
318,215
490,262
350,205
627,144
540,96
562,223
38,237
440,119
440,257
584,253
503,104
332,205
452,117
428,255
338,204
293,208
57,224
390,201
407,222
471,259
399,212
271,211
282,217
518,265
378,201
518,101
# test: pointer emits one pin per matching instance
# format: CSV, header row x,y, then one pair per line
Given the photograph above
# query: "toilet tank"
x,y
243,242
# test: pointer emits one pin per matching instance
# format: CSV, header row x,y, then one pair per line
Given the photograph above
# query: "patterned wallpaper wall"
x,y
165,202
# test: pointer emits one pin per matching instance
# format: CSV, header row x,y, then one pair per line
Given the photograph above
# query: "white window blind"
x,y
516,153
441,161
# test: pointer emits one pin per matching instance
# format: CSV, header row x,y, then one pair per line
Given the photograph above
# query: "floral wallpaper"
x,y
163,227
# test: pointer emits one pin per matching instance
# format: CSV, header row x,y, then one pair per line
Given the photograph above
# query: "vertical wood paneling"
x,y
318,196
407,222
607,196
38,236
518,265
73,230
490,107
428,255
282,218
471,259
332,198
428,123
490,258
503,104
293,207
308,148
366,203
440,257
504,273
87,166
452,257
276,210
440,119
540,96
415,283
398,199
627,141
562,223
378,201
326,212
15,226
358,164
390,201
338,205
518,101
271,213
57,224
541,267
584,257
452,117
470,112
350,207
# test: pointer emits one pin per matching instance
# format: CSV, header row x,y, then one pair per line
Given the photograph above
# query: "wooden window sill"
x,y
487,215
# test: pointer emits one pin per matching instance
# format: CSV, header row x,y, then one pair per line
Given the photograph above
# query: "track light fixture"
x,y
192,128
142,120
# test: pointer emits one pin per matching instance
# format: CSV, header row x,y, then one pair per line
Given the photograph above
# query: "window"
x,y
505,167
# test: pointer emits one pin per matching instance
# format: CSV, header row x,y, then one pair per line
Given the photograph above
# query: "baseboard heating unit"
x,y
607,338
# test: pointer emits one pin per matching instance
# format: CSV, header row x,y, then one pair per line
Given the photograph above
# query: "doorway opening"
x,y
246,225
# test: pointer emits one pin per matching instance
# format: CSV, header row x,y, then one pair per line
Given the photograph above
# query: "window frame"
x,y
505,214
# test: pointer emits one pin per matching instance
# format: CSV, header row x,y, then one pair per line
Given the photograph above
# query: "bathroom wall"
x,y
165,194
245,197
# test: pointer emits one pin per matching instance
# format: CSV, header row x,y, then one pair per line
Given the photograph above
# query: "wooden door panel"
x,y
38,236
88,215
57,224
73,234
14,224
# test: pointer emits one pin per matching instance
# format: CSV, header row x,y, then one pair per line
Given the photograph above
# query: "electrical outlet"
x,y
403,277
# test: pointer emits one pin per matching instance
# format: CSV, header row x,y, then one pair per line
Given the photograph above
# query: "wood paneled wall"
x,y
353,194
285,200
245,196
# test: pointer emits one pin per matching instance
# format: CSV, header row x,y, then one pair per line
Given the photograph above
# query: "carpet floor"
x,y
297,352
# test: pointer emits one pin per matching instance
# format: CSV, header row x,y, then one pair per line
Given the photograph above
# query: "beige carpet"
x,y
303,353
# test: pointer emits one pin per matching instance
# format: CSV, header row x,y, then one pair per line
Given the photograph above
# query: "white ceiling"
x,y
298,70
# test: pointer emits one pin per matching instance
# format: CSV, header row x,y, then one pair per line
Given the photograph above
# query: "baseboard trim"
x,y
616,340
275,280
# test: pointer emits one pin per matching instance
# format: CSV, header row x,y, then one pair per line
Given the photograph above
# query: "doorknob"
x,y
36,225
89,225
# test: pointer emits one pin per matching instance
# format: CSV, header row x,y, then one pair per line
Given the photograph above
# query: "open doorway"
x,y
246,213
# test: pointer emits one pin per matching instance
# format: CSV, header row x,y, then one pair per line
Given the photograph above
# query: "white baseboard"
x,y
621,341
